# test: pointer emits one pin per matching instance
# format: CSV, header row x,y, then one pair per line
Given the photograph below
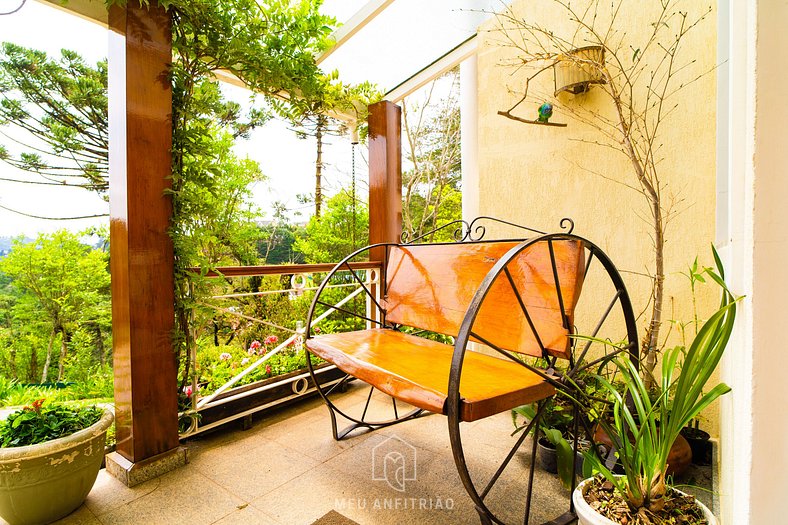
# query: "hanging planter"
x,y
576,70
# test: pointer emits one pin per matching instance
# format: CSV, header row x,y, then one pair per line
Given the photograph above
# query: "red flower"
x,y
271,340
268,369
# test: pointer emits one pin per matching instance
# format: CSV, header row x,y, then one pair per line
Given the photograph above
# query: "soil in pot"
x,y
602,498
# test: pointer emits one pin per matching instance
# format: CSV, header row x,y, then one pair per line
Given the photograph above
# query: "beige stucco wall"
x,y
536,175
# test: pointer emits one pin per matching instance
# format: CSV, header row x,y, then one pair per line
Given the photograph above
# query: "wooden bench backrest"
x,y
431,286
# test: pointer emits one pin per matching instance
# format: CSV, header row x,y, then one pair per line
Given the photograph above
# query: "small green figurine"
x,y
545,112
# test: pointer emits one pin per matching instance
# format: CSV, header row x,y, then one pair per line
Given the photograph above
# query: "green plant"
x,y
36,424
554,423
643,430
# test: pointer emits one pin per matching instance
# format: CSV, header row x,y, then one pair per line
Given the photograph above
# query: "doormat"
x,y
334,518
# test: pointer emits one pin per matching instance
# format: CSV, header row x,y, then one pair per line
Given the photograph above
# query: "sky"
x,y
288,162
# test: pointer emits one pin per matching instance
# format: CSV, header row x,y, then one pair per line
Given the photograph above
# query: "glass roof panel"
x,y
404,38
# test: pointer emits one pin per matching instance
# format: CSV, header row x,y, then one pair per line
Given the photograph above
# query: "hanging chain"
x,y
353,189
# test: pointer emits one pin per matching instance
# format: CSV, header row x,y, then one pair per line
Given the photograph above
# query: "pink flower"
x,y
254,346
224,356
267,369
317,330
271,340
187,390
251,351
244,361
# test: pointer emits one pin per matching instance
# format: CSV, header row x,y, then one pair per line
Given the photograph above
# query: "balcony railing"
x,y
237,397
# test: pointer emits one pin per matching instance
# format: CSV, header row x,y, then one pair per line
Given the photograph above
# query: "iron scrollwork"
x,y
473,231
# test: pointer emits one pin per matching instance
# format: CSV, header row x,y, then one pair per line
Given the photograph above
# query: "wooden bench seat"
x,y
516,298
416,370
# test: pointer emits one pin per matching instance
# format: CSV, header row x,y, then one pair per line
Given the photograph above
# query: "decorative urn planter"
x,y
44,482
588,516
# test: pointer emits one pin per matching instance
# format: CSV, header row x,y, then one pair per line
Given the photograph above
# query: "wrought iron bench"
x,y
512,299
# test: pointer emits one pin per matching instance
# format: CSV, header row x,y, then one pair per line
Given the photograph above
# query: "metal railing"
x,y
234,400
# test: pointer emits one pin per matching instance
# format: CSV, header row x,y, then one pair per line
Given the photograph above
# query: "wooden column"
x,y
385,175
141,253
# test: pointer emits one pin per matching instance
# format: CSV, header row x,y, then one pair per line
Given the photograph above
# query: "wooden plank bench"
x,y
517,298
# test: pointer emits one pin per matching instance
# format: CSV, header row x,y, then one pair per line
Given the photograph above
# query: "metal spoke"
x,y
360,282
394,400
598,327
350,313
366,406
509,456
536,371
525,311
337,384
564,318
531,472
588,263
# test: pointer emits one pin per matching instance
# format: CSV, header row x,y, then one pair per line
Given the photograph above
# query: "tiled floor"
x,y
287,470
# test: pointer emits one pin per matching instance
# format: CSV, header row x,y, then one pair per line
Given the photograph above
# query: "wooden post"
x,y
141,253
385,175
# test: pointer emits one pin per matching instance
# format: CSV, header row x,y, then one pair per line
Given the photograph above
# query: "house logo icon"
x,y
394,461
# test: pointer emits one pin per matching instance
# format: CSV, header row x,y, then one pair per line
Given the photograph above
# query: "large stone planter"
x,y
42,483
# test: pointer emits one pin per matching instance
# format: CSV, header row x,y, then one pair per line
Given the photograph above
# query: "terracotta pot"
x,y
42,483
588,516
679,458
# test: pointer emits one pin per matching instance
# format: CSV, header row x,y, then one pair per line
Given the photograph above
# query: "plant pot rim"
x,y
584,509
10,454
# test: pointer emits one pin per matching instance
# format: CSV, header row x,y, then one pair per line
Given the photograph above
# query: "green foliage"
x,y
57,285
337,233
654,422
36,424
554,424
432,193
61,103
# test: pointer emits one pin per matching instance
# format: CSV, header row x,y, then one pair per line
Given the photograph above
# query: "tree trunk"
x,y
12,363
45,373
321,123
99,350
33,371
64,339
651,341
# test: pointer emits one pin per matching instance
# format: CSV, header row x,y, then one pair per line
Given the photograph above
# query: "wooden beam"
x,y
385,176
141,252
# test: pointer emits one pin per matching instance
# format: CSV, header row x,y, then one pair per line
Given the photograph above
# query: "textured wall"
x,y
537,174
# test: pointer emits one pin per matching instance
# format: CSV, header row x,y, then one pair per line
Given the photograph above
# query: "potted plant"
x,y
554,452
49,460
643,428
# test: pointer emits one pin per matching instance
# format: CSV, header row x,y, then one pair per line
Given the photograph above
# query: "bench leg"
x,y
356,423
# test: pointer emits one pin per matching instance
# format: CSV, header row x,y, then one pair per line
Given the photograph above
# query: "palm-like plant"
x,y
644,428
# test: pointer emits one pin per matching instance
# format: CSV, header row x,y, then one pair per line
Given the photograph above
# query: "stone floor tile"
x,y
251,468
108,493
247,515
183,496
81,516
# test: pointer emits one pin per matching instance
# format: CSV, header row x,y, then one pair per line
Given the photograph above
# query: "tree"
x,y
65,281
642,75
337,233
431,188
56,112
